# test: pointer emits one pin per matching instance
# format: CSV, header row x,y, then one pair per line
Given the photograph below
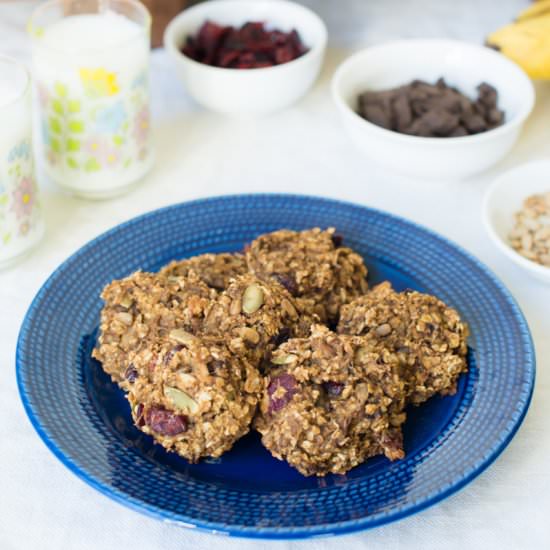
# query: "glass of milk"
x,y
21,225
91,72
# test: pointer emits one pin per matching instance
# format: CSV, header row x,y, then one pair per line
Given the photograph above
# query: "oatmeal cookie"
x,y
331,401
192,394
428,336
312,265
255,316
215,270
142,307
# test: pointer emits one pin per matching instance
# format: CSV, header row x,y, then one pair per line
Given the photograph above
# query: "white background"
x,y
43,506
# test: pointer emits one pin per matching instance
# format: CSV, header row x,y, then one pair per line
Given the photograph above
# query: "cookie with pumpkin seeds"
x,y
192,394
142,307
255,316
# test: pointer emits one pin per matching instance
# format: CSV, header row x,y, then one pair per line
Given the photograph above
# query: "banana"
x,y
527,40
540,7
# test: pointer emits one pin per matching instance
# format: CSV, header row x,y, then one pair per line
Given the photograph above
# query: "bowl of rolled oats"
x,y
517,216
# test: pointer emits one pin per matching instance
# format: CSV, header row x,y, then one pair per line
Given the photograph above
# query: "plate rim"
x,y
237,530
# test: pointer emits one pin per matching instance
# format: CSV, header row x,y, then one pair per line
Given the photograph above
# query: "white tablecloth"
x,y
43,506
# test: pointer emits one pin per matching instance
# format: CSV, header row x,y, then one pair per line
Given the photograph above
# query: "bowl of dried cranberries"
x,y
242,57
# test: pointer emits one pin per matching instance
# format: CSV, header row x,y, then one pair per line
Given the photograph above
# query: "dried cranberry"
x,y
392,444
288,383
287,281
131,373
171,353
228,57
284,54
281,337
209,40
251,46
296,41
165,422
140,421
334,389
337,240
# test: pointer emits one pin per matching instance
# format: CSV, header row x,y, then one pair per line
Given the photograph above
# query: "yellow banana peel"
x,y
527,40
540,7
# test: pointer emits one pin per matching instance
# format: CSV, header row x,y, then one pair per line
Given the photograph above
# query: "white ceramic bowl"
x,y
504,198
248,91
462,65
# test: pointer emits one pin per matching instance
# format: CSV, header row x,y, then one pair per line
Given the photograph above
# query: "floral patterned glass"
x,y
91,67
21,224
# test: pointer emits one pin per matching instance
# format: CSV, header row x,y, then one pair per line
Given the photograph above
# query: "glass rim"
x,y
36,34
25,89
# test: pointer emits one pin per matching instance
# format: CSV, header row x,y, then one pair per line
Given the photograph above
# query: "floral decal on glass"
x,y
97,125
19,206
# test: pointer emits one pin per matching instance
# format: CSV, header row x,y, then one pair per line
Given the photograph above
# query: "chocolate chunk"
x,y
419,128
378,116
474,123
487,95
432,110
402,112
459,131
440,122
495,117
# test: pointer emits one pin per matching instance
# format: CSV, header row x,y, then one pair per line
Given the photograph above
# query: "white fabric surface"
x,y
43,506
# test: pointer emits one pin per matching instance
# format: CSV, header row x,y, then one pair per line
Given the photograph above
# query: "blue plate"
x,y
85,421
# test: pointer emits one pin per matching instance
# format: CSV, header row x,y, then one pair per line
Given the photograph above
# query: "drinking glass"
x,y
91,70
21,225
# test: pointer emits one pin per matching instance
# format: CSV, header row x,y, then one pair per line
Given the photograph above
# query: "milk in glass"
x,y
21,225
91,74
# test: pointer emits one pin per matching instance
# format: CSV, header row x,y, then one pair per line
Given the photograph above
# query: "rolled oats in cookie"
x,y
428,336
312,265
193,395
255,316
142,307
331,401
215,270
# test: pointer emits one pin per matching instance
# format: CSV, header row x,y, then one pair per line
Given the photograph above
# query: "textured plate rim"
x,y
323,530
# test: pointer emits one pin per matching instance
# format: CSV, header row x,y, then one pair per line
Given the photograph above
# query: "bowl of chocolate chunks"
x,y
435,109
